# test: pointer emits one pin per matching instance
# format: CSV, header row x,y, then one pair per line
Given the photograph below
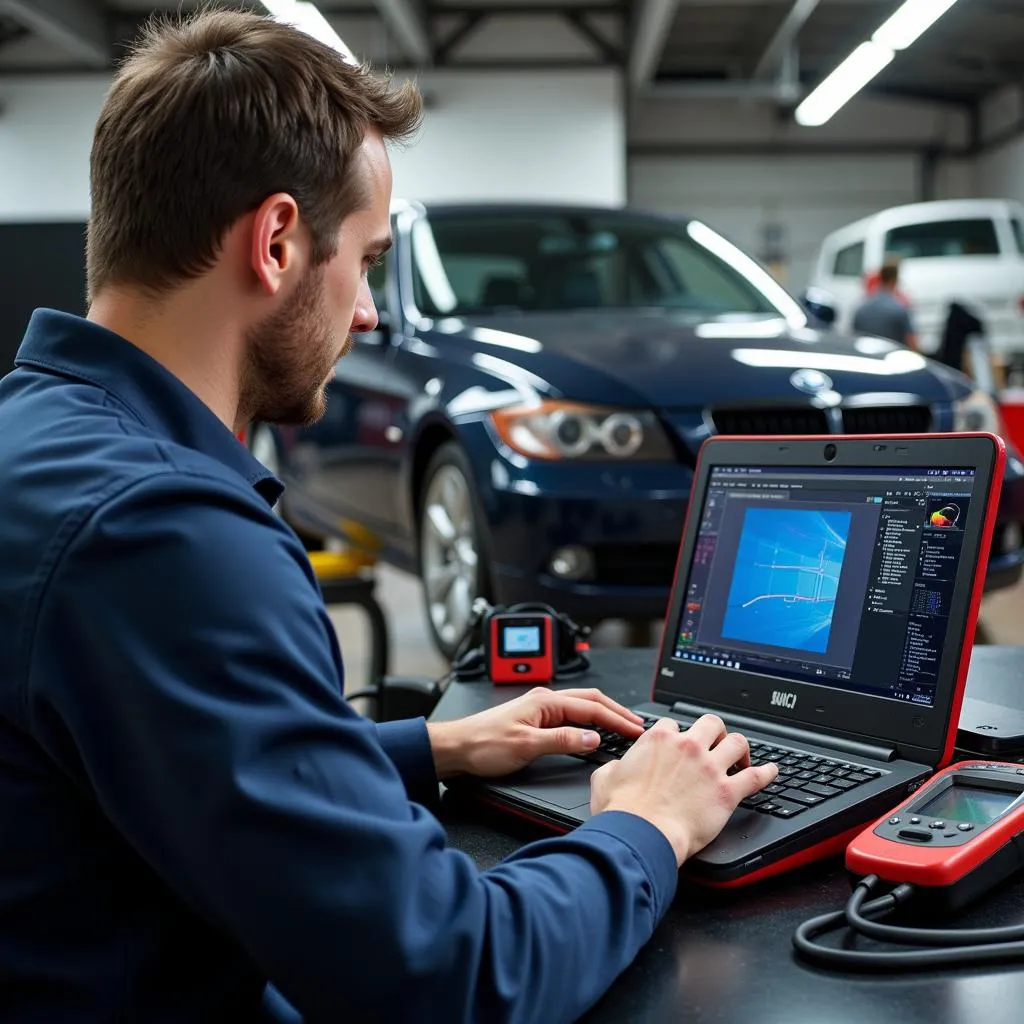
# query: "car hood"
x,y
673,361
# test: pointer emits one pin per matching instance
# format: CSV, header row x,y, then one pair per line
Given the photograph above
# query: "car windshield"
x,y
496,262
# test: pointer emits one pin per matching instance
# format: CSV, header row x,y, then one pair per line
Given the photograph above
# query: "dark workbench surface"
x,y
727,957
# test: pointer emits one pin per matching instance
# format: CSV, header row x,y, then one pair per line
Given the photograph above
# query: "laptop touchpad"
x,y
561,781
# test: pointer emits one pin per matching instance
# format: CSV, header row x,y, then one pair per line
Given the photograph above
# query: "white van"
x,y
965,250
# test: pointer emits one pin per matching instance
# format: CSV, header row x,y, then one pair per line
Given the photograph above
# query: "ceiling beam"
x,y
784,38
406,21
776,147
78,27
652,29
721,89
521,10
611,52
456,37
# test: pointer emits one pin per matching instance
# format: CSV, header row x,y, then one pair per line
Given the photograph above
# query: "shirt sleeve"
x,y
195,692
408,745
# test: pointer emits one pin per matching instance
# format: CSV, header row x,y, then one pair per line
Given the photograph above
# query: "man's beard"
x,y
289,357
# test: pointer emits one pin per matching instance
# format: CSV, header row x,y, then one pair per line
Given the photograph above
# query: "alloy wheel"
x,y
449,554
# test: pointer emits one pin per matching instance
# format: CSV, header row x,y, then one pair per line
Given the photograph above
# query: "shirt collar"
x,y
74,347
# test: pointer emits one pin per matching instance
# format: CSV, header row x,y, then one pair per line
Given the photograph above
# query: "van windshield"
x,y
946,238
495,261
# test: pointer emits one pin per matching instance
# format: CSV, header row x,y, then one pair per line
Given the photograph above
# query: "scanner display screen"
x,y
968,803
521,640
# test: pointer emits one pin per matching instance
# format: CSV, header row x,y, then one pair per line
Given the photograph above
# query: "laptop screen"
x,y
842,577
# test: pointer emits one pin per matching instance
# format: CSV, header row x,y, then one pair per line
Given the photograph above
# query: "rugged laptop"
x,y
824,604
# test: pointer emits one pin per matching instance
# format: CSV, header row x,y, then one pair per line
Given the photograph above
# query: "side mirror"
x,y
821,305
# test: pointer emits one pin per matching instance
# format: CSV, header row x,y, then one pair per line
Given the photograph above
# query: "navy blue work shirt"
x,y
191,815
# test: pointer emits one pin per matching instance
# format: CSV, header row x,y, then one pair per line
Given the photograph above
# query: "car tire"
x,y
451,545
263,445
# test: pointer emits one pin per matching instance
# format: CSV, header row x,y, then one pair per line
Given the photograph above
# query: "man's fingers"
x,y
733,750
590,712
566,739
602,698
753,780
708,730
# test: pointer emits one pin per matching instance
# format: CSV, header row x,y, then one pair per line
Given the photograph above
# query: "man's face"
x,y
292,352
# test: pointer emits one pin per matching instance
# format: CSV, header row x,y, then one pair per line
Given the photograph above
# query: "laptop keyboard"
x,y
805,780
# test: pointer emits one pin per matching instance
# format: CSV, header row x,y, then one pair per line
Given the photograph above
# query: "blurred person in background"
x,y
884,314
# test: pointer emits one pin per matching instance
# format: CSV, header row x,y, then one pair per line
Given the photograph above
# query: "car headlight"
x,y
566,430
977,412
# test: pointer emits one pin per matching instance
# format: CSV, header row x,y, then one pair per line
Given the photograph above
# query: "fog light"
x,y
573,562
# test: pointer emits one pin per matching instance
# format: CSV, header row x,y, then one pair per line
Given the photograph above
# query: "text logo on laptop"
x,y
781,699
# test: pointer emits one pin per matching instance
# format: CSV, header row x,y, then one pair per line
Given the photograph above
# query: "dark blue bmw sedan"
x,y
524,422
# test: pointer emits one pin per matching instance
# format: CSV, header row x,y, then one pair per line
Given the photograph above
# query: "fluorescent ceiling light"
x,y
910,22
843,84
903,29
307,18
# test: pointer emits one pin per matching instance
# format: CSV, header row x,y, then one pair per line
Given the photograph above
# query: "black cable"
x,y
928,936
976,946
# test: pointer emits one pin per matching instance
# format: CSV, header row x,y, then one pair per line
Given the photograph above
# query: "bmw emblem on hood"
x,y
811,382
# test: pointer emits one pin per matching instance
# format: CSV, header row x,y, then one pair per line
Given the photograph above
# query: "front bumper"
x,y
631,517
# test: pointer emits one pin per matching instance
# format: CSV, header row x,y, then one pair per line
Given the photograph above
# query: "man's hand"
x,y
506,738
678,781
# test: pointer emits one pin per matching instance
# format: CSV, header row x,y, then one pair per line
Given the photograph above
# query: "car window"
x,y
1018,233
849,262
711,284
945,238
483,262
486,279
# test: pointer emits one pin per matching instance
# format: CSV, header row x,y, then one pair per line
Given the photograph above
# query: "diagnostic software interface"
x,y
841,577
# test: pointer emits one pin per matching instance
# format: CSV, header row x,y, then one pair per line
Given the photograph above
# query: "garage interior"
x,y
678,106
625,227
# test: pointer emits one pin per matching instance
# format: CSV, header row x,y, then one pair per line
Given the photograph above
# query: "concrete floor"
x,y
412,653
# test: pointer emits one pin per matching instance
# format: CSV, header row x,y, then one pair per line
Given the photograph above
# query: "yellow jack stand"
x,y
346,577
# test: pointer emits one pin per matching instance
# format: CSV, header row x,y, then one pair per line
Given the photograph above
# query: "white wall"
x,y
1000,172
798,197
805,197
866,121
46,130
486,136
556,136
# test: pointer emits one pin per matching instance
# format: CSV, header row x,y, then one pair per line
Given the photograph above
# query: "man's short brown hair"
x,y
890,272
208,117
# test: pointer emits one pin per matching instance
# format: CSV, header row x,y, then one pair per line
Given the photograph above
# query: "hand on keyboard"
x,y
613,744
679,781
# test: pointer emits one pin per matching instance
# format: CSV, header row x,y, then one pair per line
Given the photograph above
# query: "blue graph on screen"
x,y
786,577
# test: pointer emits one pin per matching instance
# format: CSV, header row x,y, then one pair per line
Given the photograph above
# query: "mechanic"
x,y
196,825
885,313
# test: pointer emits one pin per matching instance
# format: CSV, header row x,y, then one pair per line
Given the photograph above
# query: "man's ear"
x,y
277,241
